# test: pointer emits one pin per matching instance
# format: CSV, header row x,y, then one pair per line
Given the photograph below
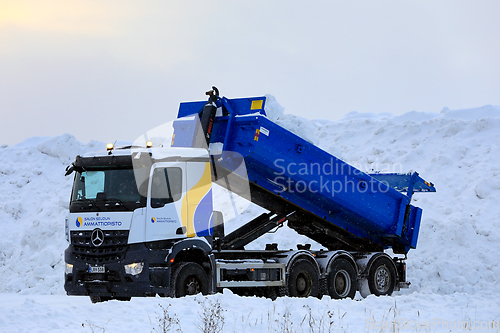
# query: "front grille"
x,y
112,249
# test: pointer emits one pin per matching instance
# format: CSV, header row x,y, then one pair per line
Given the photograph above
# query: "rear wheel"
x,y
341,280
303,279
189,278
382,277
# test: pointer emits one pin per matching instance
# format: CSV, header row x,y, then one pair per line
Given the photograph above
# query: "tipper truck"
x,y
142,222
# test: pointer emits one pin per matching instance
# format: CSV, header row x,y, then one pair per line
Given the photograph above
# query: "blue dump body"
x,y
365,207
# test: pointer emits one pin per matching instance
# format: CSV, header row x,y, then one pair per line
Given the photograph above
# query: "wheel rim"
x,y
192,286
382,279
303,284
342,283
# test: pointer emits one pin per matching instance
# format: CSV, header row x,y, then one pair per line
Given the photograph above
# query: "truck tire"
x,y
303,279
188,278
382,277
341,280
99,299
272,293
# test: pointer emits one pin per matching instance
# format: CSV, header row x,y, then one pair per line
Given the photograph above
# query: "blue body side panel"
x,y
404,182
309,177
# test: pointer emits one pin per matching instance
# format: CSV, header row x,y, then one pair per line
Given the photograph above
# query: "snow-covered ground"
x,y
455,270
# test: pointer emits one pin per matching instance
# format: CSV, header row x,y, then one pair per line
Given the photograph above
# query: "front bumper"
x,y
114,282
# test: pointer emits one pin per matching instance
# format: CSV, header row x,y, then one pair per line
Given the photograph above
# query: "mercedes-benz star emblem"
x,y
97,237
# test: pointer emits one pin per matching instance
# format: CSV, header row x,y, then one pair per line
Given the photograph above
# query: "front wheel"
x,y
303,279
188,278
99,299
382,277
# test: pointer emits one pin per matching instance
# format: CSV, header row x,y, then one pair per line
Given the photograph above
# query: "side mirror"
x,y
218,220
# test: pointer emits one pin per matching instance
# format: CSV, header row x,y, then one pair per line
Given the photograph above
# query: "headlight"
x,y
134,269
69,269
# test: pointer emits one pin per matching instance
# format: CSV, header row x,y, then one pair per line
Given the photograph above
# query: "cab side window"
x,y
166,186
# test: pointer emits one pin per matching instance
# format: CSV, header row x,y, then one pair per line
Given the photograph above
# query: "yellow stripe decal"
x,y
194,196
184,211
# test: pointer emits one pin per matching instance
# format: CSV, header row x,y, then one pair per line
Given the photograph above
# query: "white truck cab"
x,y
128,207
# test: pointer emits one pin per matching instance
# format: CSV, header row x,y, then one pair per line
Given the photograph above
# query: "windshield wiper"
x,y
117,202
85,200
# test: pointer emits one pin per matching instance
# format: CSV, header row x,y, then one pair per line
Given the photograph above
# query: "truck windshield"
x,y
108,189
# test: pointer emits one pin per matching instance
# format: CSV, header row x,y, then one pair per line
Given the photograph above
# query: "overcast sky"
x,y
108,70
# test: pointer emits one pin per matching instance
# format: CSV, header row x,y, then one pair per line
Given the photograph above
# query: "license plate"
x,y
97,269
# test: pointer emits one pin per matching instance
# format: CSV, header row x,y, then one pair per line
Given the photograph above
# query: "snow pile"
x,y
457,150
34,197
297,125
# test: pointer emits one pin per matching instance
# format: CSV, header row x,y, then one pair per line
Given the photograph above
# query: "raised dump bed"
x,y
320,195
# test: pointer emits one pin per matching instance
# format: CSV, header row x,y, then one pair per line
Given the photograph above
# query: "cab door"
x,y
167,187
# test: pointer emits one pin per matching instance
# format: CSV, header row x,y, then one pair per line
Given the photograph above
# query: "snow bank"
x,y
457,150
293,123
411,313
34,197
